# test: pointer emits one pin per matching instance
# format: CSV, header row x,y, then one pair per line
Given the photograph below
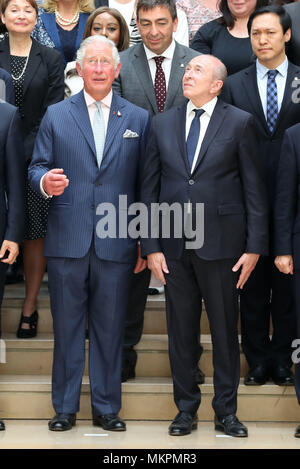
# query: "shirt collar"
x,y
208,107
90,100
262,70
168,53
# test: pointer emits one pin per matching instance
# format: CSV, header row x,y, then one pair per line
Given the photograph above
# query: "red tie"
x,y
160,84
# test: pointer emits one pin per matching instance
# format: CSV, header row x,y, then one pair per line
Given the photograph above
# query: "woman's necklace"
x,y
24,68
63,21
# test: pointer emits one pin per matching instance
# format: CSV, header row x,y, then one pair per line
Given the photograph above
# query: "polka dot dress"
x,y
36,207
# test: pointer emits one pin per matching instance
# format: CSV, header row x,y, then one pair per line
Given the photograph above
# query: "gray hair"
x,y
89,40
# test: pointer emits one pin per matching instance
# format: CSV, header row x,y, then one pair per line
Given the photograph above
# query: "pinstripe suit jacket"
x,y
65,140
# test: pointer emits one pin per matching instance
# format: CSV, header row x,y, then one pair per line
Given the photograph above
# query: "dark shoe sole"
x,y
221,429
60,429
193,427
96,424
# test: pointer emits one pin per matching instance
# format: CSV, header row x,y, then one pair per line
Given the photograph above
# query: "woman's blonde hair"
x,y
85,6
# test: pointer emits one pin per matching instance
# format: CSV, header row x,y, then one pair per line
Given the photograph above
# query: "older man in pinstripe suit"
x,y
88,153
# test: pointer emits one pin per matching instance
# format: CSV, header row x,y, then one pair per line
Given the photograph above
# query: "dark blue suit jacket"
x,y
65,140
6,87
287,202
12,167
227,179
241,90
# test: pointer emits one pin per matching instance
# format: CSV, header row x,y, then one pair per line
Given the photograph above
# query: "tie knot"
x,y
159,60
98,104
272,74
198,112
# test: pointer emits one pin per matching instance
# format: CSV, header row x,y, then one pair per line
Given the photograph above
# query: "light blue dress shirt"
x,y
262,79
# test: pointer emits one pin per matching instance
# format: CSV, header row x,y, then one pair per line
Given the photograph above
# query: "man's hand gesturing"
x,y
55,182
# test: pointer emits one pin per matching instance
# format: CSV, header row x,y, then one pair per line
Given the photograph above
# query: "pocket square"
x,y
130,134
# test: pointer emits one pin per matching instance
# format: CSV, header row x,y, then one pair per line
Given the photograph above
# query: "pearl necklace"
x,y
63,21
24,68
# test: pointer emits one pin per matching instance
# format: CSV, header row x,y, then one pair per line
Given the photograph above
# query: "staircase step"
x,y
34,356
29,397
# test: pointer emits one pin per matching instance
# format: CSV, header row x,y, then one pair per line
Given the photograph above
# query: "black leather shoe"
x,y
297,432
109,422
183,424
2,426
199,376
257,375
230,425
282,375
62,422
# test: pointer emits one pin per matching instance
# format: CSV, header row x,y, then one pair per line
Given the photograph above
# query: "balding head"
x,y
203,79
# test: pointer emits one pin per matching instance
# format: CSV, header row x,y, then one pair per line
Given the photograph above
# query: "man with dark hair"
x,y
293,51
286,228
150,77
265,89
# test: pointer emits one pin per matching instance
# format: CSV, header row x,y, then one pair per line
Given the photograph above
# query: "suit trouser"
x,y
99,287
267,294
134,322
3,268
135,318
296,289
191,279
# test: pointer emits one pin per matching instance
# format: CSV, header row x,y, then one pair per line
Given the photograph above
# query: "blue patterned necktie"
x,y
193,137
272,101
99,132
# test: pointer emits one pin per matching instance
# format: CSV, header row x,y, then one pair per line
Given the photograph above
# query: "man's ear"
x,y
117,71
79,70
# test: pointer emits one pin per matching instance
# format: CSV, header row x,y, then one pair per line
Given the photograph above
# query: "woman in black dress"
x,y
227,37
38,78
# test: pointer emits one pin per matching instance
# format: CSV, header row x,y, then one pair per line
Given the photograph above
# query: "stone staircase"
x,y
25,382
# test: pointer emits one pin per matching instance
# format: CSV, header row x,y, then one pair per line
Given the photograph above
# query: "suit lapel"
x,y
80,114
215,122
175,76
117,116
251,91
32,66
180,135
50,25
140,63
293,72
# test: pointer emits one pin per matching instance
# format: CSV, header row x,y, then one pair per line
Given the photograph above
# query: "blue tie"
x,y
193,137
99,132
272,102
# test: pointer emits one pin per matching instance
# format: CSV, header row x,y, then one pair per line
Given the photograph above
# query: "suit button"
x,y
92,207
191,182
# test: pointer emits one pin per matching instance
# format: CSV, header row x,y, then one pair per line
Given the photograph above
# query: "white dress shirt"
x,y
92,108
166,64
262,81
204,121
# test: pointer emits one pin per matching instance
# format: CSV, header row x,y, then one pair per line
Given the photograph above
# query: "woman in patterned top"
x,y
198,12
38,78
61,24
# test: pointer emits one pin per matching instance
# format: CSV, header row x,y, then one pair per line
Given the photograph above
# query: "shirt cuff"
x,y
43,192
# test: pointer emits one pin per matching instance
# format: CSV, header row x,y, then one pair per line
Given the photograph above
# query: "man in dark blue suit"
x,y
87,154
12,166
268,85
205,152
287,228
